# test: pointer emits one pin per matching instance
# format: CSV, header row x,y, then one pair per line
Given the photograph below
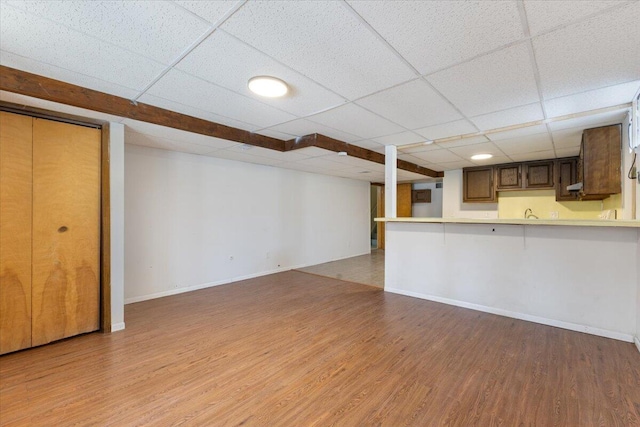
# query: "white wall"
x,y
579,278
628,186
452,206
195,221
428,210
116,174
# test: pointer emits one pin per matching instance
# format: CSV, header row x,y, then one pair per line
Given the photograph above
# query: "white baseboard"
x,y
522,316
226,281
115,327
637,341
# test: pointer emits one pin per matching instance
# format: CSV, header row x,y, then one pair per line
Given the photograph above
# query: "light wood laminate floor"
x,y
295,349
366,269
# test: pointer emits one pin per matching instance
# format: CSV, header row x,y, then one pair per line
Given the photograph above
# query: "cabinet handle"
x,y
62,229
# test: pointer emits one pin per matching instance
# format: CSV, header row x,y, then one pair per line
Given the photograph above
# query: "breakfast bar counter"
x,y
579,275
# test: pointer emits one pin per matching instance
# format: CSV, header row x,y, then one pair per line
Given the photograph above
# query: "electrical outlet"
x,y
553,215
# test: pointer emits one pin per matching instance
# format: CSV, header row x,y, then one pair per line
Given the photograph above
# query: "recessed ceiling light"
x,y
481,156
270,87
342,153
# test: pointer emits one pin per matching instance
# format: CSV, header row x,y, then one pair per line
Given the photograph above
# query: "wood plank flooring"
x,y
295,349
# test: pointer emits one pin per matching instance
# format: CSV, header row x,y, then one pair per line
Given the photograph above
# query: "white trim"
x,y
637,341
226,281
522,316
115,327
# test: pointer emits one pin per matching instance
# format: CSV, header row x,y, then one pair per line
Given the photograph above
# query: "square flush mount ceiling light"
x,y
270,87
481,156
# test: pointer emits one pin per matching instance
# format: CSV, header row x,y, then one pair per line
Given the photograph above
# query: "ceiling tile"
x,y
368,144
447,166
595,120
591,54
545,15
419,148
211,11
324,162
135,138
525,144
322,40
520,132
301,127
242,62
463,141
188,90
467,151
593,99
445,130
176,135
567,138
411,176
275,134
157,30
509,117
497,81
495,160
52,43
53,72
401,138
356,120
538,155
435,34
412,105
567,152
195,112
244,156
287,156
437,156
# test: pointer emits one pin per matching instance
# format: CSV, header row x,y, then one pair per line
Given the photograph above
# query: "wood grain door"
x,y
403,208
15,231
66,230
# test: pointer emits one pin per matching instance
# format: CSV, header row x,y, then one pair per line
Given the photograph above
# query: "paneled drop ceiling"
x,y
369,73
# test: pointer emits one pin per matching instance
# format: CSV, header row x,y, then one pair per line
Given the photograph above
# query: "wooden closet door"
x,y
66,230
15,231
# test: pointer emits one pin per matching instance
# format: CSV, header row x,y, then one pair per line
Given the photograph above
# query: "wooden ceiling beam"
x,y
36,86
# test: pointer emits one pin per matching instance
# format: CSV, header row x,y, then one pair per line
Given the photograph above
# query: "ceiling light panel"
x,y
322,40
497,81
356,120
180,87
545,15
157,30
592,100
455,31
511,116
412,105
242,62
566,57
52,43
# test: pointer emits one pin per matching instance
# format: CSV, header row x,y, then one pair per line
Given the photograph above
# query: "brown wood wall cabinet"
x,y
50,207
600,161
566,174
539,175
478,185
421,196
509,177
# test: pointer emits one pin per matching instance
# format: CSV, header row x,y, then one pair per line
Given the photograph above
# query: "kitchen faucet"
x,y
528,213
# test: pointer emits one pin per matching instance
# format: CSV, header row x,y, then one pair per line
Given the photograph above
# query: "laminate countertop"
x,y
516,221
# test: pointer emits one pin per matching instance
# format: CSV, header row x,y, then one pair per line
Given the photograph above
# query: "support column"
x,y
390,181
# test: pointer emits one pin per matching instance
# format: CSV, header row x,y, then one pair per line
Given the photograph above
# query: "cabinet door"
x,y
66,230
539,174
566,174
602,152
509,177
477,185
15,232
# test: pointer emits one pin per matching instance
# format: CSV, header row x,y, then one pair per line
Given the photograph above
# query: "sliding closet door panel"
x,y
66,230
15,232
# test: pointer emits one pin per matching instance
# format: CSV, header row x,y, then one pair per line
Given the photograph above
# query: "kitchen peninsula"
x,y
574,274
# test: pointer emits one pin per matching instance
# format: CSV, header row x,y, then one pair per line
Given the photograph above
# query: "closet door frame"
x,y
105,200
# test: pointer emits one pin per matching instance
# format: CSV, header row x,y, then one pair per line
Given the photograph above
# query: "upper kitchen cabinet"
x,y
478,185
539,175
566,174
509,177
600,162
